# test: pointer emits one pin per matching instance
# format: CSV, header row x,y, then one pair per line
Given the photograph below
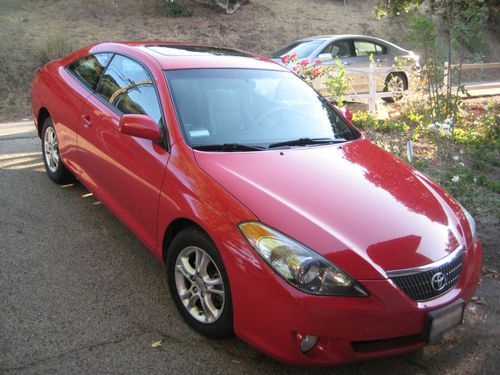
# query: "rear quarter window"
x,y
89,69
366,48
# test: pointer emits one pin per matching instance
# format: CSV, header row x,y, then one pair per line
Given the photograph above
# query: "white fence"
x,y
372,95
484,87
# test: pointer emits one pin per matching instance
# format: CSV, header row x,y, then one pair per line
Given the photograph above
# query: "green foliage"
x,y
366,121
388,134
421,31
175,8
464,158
395,7
463,22
483,131
466,28
337,81
334,78
436,7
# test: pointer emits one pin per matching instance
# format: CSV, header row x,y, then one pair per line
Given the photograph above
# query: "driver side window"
x,y
340,49
127,86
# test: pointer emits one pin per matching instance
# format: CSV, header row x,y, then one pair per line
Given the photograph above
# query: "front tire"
x,y
199,285
51,155
395,83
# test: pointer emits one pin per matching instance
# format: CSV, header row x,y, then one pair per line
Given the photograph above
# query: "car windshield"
x,y
252,108
302,49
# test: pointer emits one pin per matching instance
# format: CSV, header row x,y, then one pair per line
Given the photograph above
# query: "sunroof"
x,y
189,50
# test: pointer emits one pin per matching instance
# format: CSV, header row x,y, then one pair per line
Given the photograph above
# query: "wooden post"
x,y
372,98
409,151
445,76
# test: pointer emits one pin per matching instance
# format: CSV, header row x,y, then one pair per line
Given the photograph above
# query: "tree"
x,y
462,22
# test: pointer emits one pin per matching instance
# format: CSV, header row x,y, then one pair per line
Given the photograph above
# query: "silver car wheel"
x,y
396,84
51,149
199,284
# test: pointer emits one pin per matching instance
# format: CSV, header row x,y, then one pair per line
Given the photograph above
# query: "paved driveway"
x,y
80,294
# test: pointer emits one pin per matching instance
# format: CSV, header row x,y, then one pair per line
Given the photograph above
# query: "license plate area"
x,y
444,320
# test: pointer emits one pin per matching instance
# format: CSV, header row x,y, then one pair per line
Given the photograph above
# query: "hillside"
x,y
33,30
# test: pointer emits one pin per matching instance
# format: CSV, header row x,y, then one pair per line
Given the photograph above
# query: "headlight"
x,y
472,223
300,266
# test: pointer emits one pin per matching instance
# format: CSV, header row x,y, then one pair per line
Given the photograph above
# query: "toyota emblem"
x,y
438,281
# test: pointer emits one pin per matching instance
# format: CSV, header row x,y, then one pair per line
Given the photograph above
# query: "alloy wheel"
x,y
51,149
199,284
396,84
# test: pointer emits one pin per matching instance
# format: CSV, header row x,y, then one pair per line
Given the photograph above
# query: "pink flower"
x,y
296,68
284,59
293,56
316,72
305,63
317,62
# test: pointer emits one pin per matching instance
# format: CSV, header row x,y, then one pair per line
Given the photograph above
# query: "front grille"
x,y
418,283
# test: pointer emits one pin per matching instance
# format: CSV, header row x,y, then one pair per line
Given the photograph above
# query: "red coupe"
x,y
275,218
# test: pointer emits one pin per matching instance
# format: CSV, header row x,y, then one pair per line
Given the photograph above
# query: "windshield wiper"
x,y
228,147
307,141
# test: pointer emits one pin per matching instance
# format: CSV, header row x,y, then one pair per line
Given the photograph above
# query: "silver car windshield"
x,y
259,108
302,49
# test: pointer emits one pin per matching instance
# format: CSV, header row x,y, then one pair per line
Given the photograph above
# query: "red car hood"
x,y
355,204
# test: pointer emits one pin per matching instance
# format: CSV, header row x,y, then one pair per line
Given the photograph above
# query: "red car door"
x,y
69,92
125,172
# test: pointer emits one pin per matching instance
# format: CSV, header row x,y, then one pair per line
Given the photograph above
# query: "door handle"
x,y
86,121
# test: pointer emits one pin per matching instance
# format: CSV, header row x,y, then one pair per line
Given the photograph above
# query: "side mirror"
x,y
140,126
324,57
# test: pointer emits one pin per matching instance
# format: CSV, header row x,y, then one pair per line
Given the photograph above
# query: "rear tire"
x,y
56,170
199,285
395,82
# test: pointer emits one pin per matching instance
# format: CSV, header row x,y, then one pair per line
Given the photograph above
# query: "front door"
x,y
125,172
343,50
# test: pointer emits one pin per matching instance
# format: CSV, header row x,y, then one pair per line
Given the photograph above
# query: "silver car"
x,y
354,51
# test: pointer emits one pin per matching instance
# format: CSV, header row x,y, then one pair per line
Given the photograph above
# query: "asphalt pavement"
x,y
79,293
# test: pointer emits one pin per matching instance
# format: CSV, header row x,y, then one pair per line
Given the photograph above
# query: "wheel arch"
x,y
43,114
176,226
401,73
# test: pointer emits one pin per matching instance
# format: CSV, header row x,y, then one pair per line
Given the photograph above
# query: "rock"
x,y
230,6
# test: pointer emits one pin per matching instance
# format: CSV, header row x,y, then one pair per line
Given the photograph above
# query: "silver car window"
x,y
340,48
365,48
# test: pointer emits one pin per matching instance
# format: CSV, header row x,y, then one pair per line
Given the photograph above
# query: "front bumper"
x,y
268,314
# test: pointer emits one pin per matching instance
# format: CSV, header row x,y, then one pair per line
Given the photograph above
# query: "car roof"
x,y
350,36
172,55
340,36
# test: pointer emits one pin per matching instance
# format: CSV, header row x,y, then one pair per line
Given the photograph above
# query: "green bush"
x,y
175,8
370,122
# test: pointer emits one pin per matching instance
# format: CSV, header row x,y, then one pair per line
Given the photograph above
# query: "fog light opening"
x,y
307,342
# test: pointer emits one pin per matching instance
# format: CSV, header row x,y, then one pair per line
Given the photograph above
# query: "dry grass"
x,y
54,46
34,31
